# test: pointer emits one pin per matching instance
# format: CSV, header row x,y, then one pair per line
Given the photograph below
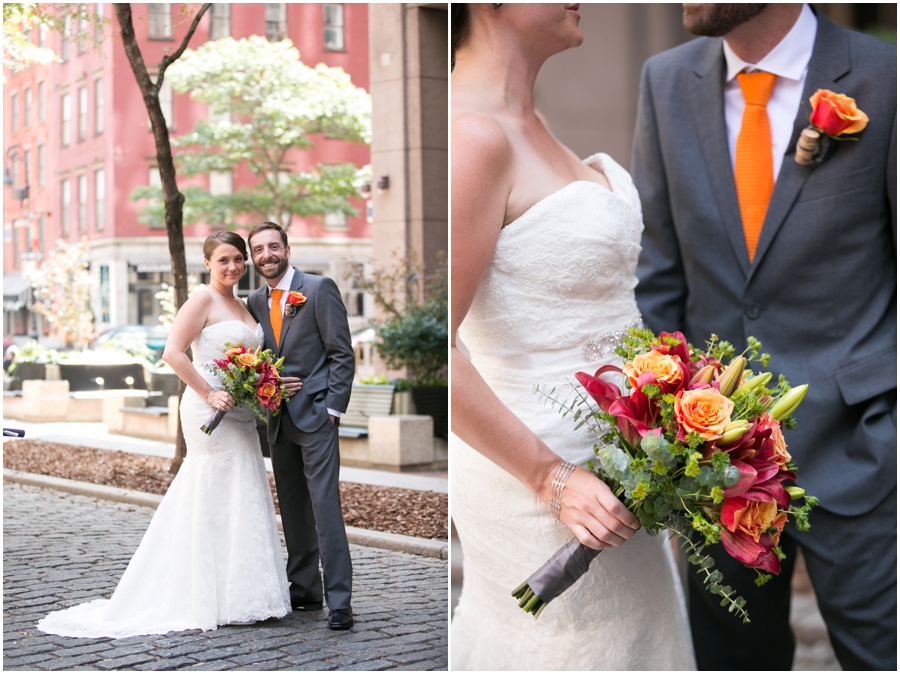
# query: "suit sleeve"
x,y
661,291
892,179
331,317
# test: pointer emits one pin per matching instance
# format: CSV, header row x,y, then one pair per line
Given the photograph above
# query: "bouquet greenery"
x,y
693,445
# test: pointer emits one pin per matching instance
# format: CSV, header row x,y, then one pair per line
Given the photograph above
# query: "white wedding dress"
x,y
212,553
556,296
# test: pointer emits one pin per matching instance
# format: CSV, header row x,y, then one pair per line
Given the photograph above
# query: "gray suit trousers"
x,y
306,468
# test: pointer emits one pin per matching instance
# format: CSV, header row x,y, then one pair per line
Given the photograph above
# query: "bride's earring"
x,y
496,5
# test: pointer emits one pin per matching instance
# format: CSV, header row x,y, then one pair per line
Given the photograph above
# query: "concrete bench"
x,y
366,400
128,414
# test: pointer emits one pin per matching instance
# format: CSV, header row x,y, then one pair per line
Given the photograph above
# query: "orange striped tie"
x,y
753,156
275,315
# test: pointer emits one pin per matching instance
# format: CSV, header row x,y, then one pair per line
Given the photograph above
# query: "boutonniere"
x,y
295,300
833,116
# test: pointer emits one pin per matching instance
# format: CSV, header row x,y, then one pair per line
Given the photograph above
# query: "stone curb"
x,y
372,539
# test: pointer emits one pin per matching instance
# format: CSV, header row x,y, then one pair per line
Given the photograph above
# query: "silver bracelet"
x,y
559,483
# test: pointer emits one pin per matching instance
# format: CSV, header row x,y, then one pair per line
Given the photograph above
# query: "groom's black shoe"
x,y
314,606
340,619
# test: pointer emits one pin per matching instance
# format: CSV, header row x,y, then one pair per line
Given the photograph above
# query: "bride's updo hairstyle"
x,y
459,28
216,239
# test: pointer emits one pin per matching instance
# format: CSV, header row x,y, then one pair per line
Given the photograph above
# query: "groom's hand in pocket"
x,y
597,518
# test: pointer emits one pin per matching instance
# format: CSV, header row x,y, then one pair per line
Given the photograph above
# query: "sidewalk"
x,y
63,549
95,435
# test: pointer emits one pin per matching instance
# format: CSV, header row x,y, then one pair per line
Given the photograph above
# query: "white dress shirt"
x,y
285,285
789,61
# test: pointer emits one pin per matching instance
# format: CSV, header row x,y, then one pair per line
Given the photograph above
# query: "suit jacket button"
x,y
752,310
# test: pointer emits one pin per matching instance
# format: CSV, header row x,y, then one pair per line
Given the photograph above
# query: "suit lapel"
x,y
830,60
296,284
708,102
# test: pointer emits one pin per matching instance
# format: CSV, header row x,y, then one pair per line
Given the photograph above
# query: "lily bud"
x,y
789,402
755,382
279,363
733,431
731,376
795,492
704,375
765,401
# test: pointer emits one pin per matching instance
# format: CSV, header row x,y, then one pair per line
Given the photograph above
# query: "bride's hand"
x,y
597,518
220,400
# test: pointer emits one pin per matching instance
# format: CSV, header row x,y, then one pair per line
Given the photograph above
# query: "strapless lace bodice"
x,y
562,274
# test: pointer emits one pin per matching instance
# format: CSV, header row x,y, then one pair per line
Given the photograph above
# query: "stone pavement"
x,y
62,549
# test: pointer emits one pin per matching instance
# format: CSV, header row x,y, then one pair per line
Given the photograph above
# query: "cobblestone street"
x,y
61,549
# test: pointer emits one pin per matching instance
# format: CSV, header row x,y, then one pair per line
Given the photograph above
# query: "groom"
x,y
811,273
304,320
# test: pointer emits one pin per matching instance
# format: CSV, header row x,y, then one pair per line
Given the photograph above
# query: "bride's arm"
x,y
482,174
189,321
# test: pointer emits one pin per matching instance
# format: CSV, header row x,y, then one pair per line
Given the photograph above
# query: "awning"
x,y
314,264
15,291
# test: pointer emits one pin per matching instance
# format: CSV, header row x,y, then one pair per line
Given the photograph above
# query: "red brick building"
x,y
81,126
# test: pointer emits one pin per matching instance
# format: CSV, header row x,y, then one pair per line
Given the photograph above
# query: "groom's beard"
x,y
716,20
279,269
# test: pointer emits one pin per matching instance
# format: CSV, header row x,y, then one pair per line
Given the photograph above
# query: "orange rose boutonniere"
x,y
833,116
295,300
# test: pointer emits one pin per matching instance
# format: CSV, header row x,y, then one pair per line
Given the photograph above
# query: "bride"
x,y
543,267
211,555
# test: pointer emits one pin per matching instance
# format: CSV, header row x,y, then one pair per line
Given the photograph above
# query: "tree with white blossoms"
x,y
268,102
166,298
62,291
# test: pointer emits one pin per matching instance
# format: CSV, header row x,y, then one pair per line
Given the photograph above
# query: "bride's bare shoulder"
x,y
479,142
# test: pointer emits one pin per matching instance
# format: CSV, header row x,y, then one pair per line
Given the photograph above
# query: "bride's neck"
x,y
502,74
226,291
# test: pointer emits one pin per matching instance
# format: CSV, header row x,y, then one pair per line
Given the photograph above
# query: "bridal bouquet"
x,y
692,445
252,379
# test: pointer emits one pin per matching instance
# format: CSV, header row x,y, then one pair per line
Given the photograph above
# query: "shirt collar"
x,y
285,282
788,59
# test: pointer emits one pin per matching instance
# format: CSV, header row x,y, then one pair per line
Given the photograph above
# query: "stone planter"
x,y
27,371
84,377
166,382
432,400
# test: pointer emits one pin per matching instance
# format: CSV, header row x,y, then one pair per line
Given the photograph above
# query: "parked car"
x,y
154,335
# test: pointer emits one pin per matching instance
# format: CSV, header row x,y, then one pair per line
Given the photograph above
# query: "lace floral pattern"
x,y
562,275
212,553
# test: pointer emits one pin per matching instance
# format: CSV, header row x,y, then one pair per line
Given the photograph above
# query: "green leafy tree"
x,y
274,104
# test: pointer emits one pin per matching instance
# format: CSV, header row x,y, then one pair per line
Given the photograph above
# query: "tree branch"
x,y
171,58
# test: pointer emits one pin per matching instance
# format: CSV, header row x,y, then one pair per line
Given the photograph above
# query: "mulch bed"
x,y
397,511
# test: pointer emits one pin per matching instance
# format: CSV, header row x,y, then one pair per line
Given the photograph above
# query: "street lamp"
x,y
18,193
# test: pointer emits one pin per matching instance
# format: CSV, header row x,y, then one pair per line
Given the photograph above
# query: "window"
x,y
98,106
220,182
82,113
65,40
334,27
28,107
40,166
27,166
66,119
42,35
15,246
66,203
82,28
336,220
41,102
276,21
99,198
160,21
28,241
98,23
82,203
41,235
14,170
14,101
219,20
104,293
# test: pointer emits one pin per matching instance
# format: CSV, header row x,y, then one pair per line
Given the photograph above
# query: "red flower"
x,y
836,114
603,393
295,298
746,538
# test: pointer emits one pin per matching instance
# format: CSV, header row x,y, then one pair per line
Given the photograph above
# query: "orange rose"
x,y
664,367
704,410
296,298
234,351
267,391
836,114
247,359
779,446
753,517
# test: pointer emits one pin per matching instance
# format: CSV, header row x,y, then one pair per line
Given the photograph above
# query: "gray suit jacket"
x,y
315,342
821,292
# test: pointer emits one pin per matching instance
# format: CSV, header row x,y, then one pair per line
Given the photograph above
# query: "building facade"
x,y
79,131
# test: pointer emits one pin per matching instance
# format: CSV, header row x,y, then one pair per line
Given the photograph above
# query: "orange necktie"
x,y
275,315
753,156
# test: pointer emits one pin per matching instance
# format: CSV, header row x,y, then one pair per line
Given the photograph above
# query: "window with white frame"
x,y
14,170
99,198
336,220
40,101
82,203
66,198
40,166
154,180
14,103
26,161
98,106
276,21
219,20
221,182
333,19
42,35
66,31
28,107
82,28
82,113
66,119
160,21
98,23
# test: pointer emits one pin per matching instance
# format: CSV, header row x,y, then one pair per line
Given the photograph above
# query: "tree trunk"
x,y
174,200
